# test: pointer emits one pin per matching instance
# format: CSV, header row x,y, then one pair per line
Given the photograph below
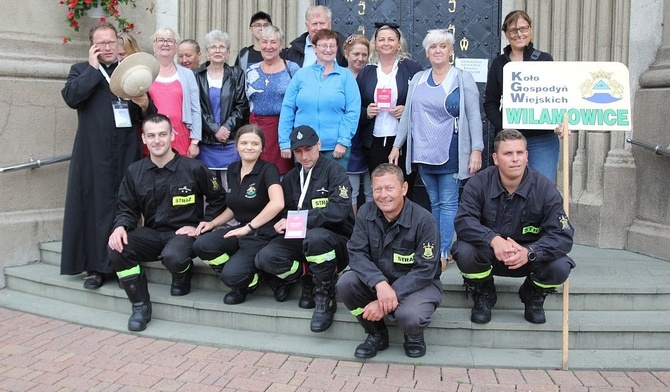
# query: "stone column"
x,y
650,232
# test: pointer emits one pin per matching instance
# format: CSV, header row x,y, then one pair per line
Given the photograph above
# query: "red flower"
x,y
70,15
88,1
66,40
74,23
129,26
73,4
103,19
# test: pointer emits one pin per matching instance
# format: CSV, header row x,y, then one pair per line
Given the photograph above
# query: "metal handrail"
x,y
657,148
35,163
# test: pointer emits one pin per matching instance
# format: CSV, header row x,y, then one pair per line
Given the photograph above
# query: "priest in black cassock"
x,y
107,141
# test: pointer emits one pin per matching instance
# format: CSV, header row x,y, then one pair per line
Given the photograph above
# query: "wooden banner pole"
x,y
566,206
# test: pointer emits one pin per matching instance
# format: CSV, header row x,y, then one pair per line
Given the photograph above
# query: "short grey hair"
x,y
270,31
217,35
165,32
318,9
436,36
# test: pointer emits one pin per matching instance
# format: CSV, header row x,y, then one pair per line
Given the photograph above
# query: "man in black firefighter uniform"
x,y
168,190
394,259
317,204
511,222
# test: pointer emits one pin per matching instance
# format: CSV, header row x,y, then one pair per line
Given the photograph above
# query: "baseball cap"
x,y
303,135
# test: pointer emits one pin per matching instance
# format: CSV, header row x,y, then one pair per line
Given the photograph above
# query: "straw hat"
x,y
134,75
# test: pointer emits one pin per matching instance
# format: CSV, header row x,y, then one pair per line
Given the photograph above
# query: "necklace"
x,y
270,70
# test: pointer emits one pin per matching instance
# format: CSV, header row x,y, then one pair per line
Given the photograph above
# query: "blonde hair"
x,y
129,43
352,40
402,54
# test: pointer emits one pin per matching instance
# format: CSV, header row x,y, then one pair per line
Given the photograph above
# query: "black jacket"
x,y
532,215
234,103
328,197
406,253
494,86
169,197
296,52
367,84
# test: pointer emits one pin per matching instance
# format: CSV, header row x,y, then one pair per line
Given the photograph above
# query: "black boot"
x,y
307,295
280,287
484,297
181,282
138,294
414,345
324,304
377,340
533,297
237,296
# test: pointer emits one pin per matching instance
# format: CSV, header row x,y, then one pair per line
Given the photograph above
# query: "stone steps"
x,y
607,315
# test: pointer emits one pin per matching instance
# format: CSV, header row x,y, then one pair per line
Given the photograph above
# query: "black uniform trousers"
x,y
146,244
474,260
235,255
414,312
325,252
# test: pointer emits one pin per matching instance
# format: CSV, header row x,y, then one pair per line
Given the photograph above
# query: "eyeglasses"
x,y
169,41
522,30
218,48
260,25
327,46
111,44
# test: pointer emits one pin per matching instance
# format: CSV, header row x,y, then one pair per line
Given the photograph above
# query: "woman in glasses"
x,y
175,94
224,104
324,96
542,145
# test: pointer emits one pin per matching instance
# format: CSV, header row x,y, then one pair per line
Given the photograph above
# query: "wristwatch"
x,y
532,256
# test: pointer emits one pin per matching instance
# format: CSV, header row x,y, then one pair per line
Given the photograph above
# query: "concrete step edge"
x,y
317,346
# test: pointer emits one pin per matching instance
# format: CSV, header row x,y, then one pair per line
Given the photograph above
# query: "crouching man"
x,y
169,191
394,259
511,222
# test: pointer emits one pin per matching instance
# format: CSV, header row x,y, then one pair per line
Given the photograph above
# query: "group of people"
x,y
257,168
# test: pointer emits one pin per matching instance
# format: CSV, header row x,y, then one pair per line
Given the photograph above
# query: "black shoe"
x,y
484,297
236,296
181,282
94,280
372,344
414,345
140,317
307,295
282,290
533,297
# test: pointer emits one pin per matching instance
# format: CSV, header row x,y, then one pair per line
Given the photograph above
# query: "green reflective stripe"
x,y
320,259
546,286
479,275
129,272
254,282
293,270
219,260
356,312
185,269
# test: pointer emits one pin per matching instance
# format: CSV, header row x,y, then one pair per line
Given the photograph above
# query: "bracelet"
x,y
251,227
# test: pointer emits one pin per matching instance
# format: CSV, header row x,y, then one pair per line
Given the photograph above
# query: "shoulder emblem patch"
x,y
215,183
428,248
344,192
563,222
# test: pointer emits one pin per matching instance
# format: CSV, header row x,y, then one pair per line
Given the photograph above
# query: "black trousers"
x,y
473,260
325,253
235,255
146,244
